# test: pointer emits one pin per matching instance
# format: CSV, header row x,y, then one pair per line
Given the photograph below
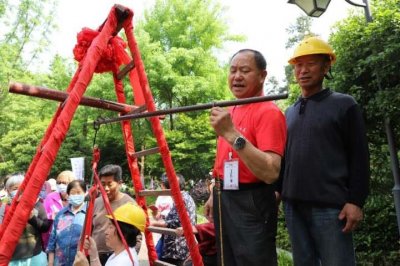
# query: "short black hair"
x,y
111,170
76,183
129,232
258,57
165,181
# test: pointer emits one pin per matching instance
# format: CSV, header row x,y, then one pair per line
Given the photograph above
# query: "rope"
x,y
107,205
218,186
218,190
87,228
217,178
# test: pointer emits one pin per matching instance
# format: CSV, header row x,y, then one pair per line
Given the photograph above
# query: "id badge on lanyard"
x,y
231,173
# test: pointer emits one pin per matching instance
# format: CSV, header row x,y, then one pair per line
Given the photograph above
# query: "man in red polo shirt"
x,y
251,142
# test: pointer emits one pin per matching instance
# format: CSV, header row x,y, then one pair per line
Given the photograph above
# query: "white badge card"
x,y
231,174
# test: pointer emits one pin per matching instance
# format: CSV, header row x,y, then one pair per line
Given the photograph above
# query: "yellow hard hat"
x,y
132,214
313,45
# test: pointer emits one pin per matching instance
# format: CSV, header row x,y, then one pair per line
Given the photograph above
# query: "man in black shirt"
x,y
326,171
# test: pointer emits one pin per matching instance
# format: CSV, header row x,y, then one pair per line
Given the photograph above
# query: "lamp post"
x,y
316,8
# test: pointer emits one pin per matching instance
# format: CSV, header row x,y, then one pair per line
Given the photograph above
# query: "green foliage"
x,y
284,258
297,31
368,59
187,24
282,238
23,143
26,25
192,145
367,68
177,39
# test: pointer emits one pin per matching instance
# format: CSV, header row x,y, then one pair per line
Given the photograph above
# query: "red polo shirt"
x,y
262,124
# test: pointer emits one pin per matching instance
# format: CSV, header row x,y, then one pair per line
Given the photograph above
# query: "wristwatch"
x,y
239,143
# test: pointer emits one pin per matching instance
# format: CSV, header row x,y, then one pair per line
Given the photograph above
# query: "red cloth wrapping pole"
x,y
129,141
87,227
162,144
134,169
19,219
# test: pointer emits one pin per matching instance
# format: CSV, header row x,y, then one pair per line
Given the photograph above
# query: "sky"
x,y
263,22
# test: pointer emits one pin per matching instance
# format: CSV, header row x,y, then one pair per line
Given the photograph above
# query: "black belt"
x,y
242,186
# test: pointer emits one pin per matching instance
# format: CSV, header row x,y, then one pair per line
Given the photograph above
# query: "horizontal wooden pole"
x,y
161,192
162,230
162,263
191,108
146,152
61,96
121,74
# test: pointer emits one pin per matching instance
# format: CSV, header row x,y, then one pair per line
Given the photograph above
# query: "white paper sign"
x,y
78,167
231,174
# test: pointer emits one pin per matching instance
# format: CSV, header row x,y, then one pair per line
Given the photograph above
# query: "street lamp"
x,y
315,8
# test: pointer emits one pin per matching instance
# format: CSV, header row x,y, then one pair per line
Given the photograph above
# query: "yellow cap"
x,y
132,214
313,45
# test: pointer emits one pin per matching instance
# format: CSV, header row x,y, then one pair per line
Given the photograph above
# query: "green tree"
x,y
26,25
18,147
297,31
177,40
192,144
177,47
367,68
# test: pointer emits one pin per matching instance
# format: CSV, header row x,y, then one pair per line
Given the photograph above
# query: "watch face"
x,y
239,143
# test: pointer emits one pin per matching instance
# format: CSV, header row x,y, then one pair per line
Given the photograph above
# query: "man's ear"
x,y
263,74
327,67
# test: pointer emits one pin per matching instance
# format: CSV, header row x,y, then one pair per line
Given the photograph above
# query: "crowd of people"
x,y
55,225
314,158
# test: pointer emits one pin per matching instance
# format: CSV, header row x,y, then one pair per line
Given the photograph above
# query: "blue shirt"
x,y
176,247
65,234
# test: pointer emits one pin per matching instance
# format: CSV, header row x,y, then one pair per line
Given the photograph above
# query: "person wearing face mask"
x,y
46,189
67,226
57,200
29,248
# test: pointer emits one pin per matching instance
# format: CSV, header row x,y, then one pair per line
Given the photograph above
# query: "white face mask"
x,y
61,188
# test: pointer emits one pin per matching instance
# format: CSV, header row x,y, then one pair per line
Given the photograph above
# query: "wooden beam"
x,y
121,74
161,192
162,230
61,96
146,152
